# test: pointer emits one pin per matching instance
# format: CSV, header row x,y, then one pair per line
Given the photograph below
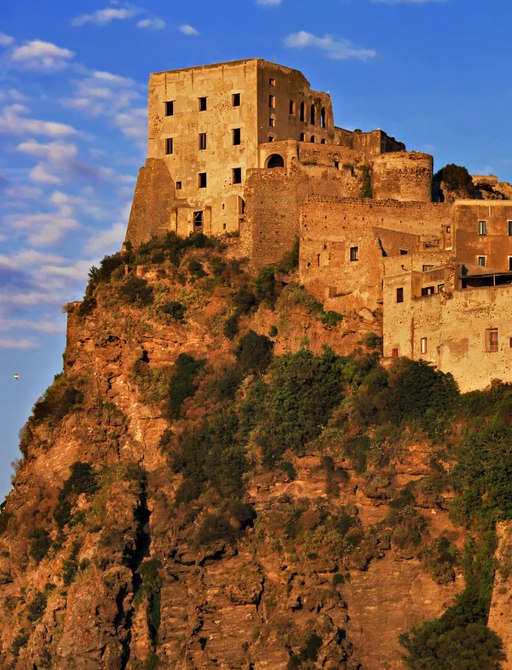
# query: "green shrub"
x,y
136,291
82,479
254,352
174,309
196,269
331,318
225,384
231,327
366,182
20,641
273,332
215,527
456,177
183,382
39,543
267,288
37,607
290,260
244,300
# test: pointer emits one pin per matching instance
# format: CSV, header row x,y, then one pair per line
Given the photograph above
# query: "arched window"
x,y
302,111
322,117
274,161
302,137
313,139
313,120
322,141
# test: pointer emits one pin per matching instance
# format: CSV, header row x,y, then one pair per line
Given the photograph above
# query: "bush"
x,y
245,300
231,327
331,318
215,527
37,607
183,383
456,177
82,479
174,309
39,544
267,288
196,269
254,352
136,291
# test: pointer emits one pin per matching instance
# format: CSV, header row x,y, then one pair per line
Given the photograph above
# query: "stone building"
x,y
248,148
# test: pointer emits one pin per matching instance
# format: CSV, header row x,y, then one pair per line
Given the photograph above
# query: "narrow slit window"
x,y
203,104
236,99
302,137
236,175
292,111
202,179
272,101
169,145
400,294
509,228
202,141
354,253
272,122
491,339
302,111
423,345
313,115
482,227
313,139
510,263
237,135
271,138
272,82
403,252
322,118
169,108
394,352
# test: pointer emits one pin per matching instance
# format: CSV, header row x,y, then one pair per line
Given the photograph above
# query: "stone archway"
x,y
274,161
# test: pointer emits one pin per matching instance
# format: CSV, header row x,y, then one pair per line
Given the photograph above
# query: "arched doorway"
x,y
274,161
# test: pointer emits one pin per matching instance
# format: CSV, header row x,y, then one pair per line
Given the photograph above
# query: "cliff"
x,y
206,485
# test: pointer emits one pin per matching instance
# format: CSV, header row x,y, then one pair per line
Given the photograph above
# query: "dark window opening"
x,y
202,141
322,141
272,82
144,358
292,110
491,339
178,185
322,118
236,99
302,137
354,253
482,227
237,175
302,111
275,161
313,139
198,220
403,252
169,108
509,228
399,294
237,135
394,352
202,104
482,261
427,268
510,263
313,114
427,290
272,101
272,122
336,164
169,145
271,138
241,206
202,179
440,288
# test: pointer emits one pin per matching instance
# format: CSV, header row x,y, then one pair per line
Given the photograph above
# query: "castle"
x,y
248,148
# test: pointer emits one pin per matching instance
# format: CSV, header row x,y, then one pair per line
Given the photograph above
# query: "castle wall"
x,y
496,245
405,176
455,326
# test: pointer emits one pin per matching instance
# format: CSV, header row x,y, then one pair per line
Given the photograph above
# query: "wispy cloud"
x,y
187,29
13,121
272,3
406,2
109,239
102,17
335,49
5,40
151,24
14,343
39,55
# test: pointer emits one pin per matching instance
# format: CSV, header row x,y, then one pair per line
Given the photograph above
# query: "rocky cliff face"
x,y
116,554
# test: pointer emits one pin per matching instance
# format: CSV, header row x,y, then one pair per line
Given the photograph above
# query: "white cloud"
x,y
57,157
39,55
102,17
108,240
5,40
335,49
112,78
41,175
14,122
46,229
14,343
151,24
46,325
406,2
189,30
134,124
102,94
272,3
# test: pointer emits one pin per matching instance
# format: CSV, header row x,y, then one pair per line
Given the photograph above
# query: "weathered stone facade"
x,y
248,148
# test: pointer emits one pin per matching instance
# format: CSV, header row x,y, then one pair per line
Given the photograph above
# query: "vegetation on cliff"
x,y
249,447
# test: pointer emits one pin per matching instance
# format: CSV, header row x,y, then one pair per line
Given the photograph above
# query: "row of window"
x,y
202,104
482,262
236,136
491,343
482,228
202,178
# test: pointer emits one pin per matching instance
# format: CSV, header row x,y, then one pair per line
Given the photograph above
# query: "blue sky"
x,y
436,74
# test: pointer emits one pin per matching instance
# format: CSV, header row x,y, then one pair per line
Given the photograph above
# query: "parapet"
x,y
402,175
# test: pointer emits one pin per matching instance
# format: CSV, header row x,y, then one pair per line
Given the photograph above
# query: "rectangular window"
x,y
423,345
237,135
236,176
202,141
272,82
202,180
302,137
354,253
482,261
440,288
427,290
509,228
198,220
202,104
169,145
169,108
491,339
178,185
427,268
394,352
448,229
236,99
293,107
399,294
272,101
482,227
270,138
403,252
272,122
510,263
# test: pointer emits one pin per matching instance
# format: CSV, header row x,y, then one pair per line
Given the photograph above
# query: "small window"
x,y
178,186
337,165
272,82
237,135
302,111
313,139
482,261
236,175
510,263
448,229
302,137
312,116
354,253
202,104
198,220
322,118
400,294
202,141
169,108
322,141
491,339
509,228
510,342
202,179
169,145
272,122
271,138
403,252
427,268
482,227
272,101
423,345
440,288
241,206
236,99
394,352
427,290
293,108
